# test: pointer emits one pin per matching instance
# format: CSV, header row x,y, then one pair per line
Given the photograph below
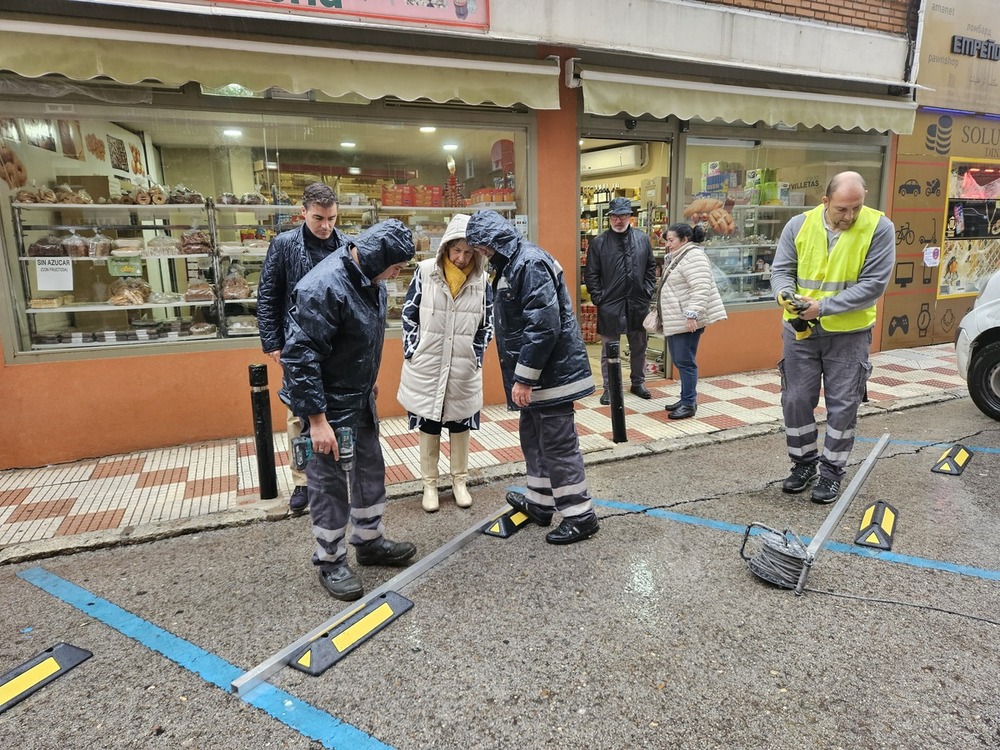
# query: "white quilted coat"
x,y
690,287
442,380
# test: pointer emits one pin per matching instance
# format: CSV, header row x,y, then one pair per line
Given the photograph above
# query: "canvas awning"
x,y
84,53
612,93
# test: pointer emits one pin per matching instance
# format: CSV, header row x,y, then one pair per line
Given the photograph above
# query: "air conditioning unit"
x,y
615,160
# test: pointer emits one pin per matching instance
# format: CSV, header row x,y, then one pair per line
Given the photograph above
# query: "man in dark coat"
x,y
291,256
331,358
545,369
620,276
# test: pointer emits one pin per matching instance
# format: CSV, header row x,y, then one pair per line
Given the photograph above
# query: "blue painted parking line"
x,y
918,562
926,443
294,713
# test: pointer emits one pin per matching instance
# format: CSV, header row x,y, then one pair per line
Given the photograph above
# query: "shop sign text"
x,y
985,49
467,14
54,274
980,135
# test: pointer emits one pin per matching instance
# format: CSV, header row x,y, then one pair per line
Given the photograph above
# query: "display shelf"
x,y
114,308
105,258
162,339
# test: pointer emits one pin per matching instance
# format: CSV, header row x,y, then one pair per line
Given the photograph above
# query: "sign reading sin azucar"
x,y
473,14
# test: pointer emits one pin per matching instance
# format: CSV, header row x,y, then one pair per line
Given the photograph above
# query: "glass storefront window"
x,y
743,192
971,250
130,226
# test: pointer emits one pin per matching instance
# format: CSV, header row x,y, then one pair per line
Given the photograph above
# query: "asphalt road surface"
x,y
652,634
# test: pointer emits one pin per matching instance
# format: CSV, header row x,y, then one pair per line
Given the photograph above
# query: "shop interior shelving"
x,y
227,225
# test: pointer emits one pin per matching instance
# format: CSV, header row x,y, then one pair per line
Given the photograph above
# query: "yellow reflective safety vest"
x,y
822,273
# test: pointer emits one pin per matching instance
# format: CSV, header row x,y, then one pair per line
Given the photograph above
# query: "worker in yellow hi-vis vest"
x,y
832,264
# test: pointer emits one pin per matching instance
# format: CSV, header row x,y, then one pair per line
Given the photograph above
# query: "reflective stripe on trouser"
x,y
556,479
840,363
328,505
293,428
637,343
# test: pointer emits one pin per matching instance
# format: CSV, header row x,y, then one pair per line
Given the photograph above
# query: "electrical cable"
x,y
930,607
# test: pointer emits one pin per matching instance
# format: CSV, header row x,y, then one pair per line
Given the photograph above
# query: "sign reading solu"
x,y
985,49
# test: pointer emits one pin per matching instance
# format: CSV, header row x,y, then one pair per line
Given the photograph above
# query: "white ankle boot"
x,y
430,450
459,444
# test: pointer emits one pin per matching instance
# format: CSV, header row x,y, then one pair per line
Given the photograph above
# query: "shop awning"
x,y
83,53
611,93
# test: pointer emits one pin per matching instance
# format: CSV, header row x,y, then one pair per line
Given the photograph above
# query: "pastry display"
x,y
12,169
199,291
235,286
181,194
129,290
76,246
227,199
196,241
99,246
163,245
47,247
202,329
127,248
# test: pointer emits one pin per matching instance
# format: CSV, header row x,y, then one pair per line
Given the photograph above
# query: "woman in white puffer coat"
x,y
447,325
689,300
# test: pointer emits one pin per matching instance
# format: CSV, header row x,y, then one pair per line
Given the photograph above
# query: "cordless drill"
x,y
795,305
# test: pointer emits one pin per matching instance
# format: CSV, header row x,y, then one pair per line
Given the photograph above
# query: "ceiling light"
x,y
451,147
232,132
347,144
354,170
428,129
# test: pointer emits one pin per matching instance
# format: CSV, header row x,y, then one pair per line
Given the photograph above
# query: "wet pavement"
x,y
651,634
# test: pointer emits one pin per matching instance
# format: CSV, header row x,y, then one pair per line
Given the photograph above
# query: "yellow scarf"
x,y
455,276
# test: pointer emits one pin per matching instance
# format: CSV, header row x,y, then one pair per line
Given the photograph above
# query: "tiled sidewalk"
x,y
161,488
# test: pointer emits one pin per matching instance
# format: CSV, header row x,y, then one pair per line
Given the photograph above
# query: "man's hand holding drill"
x,y
803,308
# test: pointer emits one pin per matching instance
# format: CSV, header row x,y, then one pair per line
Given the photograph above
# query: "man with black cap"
x,y
545,369
333,348
620,276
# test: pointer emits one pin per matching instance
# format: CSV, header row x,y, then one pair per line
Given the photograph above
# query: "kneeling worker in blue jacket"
x,y
545,369
333,348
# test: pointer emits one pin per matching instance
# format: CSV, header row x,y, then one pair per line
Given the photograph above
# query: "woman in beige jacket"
x,y
689,300
447,325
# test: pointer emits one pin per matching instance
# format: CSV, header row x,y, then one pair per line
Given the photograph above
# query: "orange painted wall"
x,y
64,411
558,198
55,412
748,340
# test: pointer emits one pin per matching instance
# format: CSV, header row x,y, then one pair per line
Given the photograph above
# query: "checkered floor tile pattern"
x,y
118,492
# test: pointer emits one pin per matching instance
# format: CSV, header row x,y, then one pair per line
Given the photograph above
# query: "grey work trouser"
x,y
328,504
838,362
556,479
637,343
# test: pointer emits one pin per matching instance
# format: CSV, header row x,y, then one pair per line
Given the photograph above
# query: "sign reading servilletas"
x,y
469,14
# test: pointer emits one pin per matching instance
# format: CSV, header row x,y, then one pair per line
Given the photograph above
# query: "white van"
x,y
977,348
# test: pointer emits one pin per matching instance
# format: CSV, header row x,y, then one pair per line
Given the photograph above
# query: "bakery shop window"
x,y
148,227
743,192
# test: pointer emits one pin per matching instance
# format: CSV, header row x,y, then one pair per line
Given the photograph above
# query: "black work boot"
x,y
385,552
342,583
573,530
825,491
517,501
799,479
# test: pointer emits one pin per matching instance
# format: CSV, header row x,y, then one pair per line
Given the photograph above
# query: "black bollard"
x,y
260,400
618,433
